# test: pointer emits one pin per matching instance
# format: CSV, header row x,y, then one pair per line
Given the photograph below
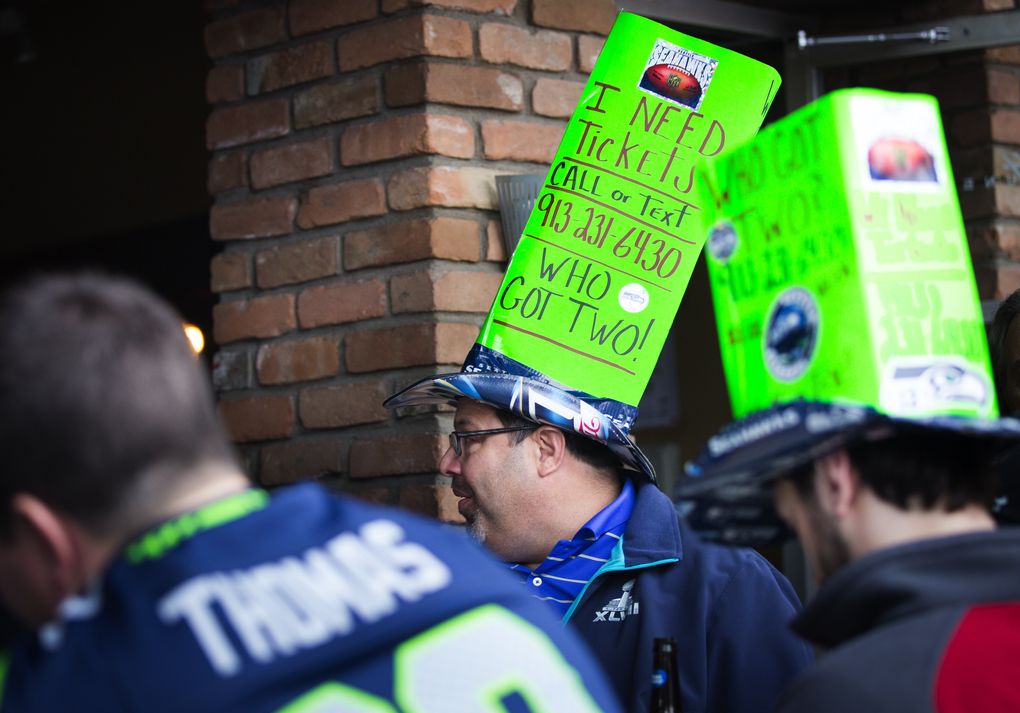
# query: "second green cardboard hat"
x,y
839,264
845,302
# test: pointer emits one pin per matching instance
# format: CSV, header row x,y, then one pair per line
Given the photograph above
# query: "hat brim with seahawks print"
x,y
726,492
536,400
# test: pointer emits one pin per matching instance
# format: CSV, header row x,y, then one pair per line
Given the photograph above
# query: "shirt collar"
x,y
610,518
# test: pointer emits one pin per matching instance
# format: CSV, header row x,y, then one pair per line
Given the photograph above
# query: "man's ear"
x,y
48,544
552,449
837,484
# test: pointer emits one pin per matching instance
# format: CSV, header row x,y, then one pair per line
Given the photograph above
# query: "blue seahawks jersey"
x,y
303,602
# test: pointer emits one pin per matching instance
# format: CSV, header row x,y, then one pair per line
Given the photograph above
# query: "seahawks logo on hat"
x,y
791,334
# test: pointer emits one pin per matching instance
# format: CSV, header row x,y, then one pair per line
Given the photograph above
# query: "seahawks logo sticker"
x,y
791,334
913,386
722,240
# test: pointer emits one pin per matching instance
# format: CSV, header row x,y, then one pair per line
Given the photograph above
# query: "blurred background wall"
x,y
311,182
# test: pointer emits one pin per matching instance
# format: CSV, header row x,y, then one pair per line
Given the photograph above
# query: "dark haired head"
x,y
918,470
1001,360
103,406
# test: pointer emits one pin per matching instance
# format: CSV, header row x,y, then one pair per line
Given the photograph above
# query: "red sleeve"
x,y
980,668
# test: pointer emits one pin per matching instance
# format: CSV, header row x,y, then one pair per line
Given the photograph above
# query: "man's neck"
x,y
888,526
208,484
199,486
572,505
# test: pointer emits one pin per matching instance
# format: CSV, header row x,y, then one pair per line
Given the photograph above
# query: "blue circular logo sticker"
x,y
791,334
722,240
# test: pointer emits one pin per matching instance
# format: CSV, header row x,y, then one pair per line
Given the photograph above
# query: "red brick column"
x,y
991,189
979,95
354,146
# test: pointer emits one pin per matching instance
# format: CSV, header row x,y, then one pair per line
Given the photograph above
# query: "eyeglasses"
x,y
457,436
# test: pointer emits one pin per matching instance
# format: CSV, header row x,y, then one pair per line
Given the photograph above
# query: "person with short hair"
x,y
919,599
1004,343
156,577
1004,347
551,486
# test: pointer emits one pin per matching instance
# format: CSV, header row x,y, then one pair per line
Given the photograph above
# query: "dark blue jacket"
x,y
303,601
728,609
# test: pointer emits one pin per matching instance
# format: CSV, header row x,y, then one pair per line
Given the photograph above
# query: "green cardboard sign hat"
x,y
839,263
592,288
841,274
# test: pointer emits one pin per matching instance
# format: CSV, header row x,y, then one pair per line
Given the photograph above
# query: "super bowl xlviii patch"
x,y
677,75
620,607
791,334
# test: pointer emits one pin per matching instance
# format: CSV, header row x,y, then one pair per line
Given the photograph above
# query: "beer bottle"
x,y
665,679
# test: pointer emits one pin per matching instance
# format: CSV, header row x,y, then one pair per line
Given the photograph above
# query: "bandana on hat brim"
x,y
534,400
726,494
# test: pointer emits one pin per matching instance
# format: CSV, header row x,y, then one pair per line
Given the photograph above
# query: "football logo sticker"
x,y
897,143
791,334
677,75
900,159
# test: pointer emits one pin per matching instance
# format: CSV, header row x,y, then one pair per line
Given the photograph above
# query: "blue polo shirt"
x,y
560,578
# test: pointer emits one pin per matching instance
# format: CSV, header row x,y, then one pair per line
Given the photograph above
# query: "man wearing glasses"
x,y
548,481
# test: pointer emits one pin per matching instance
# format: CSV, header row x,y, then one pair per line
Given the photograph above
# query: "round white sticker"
x,y
633,297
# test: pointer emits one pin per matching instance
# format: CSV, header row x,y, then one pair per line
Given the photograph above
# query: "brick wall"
x,y
979,95
353,149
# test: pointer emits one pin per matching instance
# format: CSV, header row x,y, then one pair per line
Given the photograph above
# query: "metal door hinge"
x,y
932,36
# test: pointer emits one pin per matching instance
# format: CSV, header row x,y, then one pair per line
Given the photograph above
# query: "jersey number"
x,y
468,663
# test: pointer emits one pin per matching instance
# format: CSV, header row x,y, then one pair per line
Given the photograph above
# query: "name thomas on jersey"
x,y
278,608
